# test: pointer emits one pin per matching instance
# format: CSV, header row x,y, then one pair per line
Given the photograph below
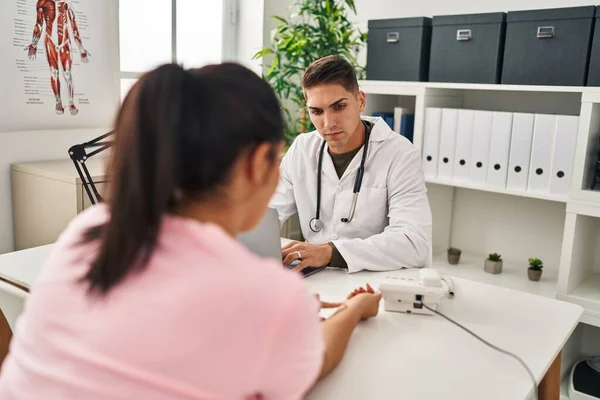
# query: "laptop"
x,y
264,241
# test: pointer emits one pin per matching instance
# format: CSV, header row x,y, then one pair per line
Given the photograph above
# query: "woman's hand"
x,y
361,304
366,301
325,304
359,290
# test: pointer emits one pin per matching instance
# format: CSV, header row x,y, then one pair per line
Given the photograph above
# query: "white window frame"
x,y
230,15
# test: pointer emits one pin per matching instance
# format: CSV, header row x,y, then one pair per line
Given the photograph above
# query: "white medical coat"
x,y
391,227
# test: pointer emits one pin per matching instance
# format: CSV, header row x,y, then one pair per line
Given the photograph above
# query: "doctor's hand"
x,y
310,255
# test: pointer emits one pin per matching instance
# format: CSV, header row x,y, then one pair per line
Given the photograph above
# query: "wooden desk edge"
x,y
15,284
5,331
549,388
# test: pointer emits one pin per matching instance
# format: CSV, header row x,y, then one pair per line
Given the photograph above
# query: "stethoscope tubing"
x,y
315,224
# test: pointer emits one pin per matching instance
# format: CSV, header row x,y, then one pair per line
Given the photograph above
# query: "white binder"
x,y
431,141
447,143
482,133
464,145
398,112
565,141
520,151
540,167
499,149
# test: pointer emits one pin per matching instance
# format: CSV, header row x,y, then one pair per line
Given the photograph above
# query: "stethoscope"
x,y
315,224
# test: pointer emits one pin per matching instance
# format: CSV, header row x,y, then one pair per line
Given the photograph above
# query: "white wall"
x,y
42,146
272,8
249,35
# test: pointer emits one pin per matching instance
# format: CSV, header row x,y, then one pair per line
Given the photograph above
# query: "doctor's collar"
x,y
380,130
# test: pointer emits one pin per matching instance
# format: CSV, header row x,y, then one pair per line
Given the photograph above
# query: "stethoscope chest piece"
x,y
316,225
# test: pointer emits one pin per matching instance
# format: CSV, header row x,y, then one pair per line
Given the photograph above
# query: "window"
x,y
189,32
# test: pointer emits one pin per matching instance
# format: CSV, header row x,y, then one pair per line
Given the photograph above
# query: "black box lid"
x,y
469,19
552,14
399,22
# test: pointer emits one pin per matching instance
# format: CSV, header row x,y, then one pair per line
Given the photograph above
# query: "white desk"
x,y
23,266
400,356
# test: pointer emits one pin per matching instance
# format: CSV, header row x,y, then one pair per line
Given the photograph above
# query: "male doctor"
x,y
380,222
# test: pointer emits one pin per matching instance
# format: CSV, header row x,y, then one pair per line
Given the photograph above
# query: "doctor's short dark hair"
x,y
328,70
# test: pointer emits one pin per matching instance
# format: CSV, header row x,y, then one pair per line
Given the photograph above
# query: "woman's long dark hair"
x,y
178,132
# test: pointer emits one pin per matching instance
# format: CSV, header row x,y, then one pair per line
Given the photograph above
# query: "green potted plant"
x,y
313,30
454,255
493,264
534,272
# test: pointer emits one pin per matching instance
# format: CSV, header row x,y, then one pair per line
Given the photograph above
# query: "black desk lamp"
x,y
79,156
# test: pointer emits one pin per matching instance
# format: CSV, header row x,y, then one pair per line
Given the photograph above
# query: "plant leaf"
x,y
352,6
280,19
263,52
273,65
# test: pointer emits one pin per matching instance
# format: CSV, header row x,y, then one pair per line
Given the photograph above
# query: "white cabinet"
x,y
47,195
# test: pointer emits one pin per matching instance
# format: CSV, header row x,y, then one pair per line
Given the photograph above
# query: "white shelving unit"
x,y
580,263
414,88
562,231
464,185
582,344
513,275
564,389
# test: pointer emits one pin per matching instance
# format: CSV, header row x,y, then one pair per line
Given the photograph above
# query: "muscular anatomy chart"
x,y
55,20
58,64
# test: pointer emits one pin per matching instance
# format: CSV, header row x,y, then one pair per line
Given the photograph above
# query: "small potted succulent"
x,y
534,272
493,264
454,255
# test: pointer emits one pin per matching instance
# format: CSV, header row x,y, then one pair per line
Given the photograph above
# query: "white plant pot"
x,y
493,267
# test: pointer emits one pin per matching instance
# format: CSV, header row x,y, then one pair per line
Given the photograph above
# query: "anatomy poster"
x,y
58,64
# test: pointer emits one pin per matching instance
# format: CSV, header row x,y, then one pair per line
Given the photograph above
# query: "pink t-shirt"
x,y
206,319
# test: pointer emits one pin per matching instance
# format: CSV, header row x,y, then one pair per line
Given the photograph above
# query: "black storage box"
x,y
467,48
594,69
548,47
398,49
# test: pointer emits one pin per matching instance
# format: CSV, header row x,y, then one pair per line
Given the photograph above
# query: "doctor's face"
x,y
335,112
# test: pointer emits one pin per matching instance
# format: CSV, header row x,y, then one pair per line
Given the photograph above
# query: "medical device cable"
x,y
490,345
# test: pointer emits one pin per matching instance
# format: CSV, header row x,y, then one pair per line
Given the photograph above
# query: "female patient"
x,y
149,296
